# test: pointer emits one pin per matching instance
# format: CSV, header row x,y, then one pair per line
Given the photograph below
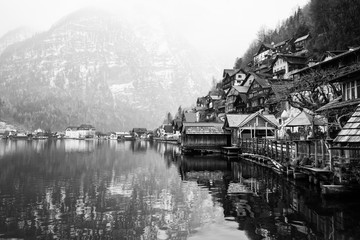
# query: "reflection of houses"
x,y
203,135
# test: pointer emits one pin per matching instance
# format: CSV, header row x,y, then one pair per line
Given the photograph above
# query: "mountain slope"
x,y
91,67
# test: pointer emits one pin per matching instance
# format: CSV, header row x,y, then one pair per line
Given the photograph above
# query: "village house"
x,y
236,99
83,131
284,64
265,52
233,77
255,125
139,132
301,44
259,90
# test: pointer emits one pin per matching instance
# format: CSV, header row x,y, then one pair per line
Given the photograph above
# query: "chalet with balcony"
x,y
285,64
236,99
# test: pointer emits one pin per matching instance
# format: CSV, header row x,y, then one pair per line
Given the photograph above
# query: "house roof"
x,y
351,131
265,46
261,80
190,117
230,72
305,119
72,128
267,117
352,51
280,91
139,130
234,120
241,89
338,103
203,128
291,59
302,38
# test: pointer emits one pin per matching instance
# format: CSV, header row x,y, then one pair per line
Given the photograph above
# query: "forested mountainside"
x,y
332,24
91,67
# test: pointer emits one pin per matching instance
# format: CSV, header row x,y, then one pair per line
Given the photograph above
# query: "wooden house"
x,y
301,43
258,92
236,99
203,135
348,138
236,77
139,132
285,47
255,125
286,63
264,52
347,76
232,123
276,102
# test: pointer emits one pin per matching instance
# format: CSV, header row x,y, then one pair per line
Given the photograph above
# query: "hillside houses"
x,y
272,81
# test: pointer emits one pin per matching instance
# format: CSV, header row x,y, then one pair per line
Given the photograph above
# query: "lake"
x,y
87,189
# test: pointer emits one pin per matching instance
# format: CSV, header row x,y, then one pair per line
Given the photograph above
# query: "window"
x,y
351,90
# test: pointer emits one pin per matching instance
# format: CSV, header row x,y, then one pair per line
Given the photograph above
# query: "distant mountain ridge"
x,y
91,67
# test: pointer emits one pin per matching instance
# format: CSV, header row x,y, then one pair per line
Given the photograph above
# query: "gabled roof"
x,y
139,130
265,46
203,128
263,82
230,72
72,128
302,38
291,59
234,120
190,117
241,89
351,131
305,119
267,117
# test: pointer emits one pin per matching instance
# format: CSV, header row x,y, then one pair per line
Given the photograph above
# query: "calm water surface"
x,y
73,189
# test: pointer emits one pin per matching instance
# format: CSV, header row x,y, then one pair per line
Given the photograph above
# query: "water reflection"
x,y
75,189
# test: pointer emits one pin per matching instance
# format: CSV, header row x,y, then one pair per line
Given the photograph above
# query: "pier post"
x,y
272,149
257,145
276,151
282,151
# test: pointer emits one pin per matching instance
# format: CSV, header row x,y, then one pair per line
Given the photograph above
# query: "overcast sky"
x,y
221,28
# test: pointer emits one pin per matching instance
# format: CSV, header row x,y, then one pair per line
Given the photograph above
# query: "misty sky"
x,y
223,29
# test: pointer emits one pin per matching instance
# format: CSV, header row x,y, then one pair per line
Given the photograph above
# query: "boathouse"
x,y
204,135
258,125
